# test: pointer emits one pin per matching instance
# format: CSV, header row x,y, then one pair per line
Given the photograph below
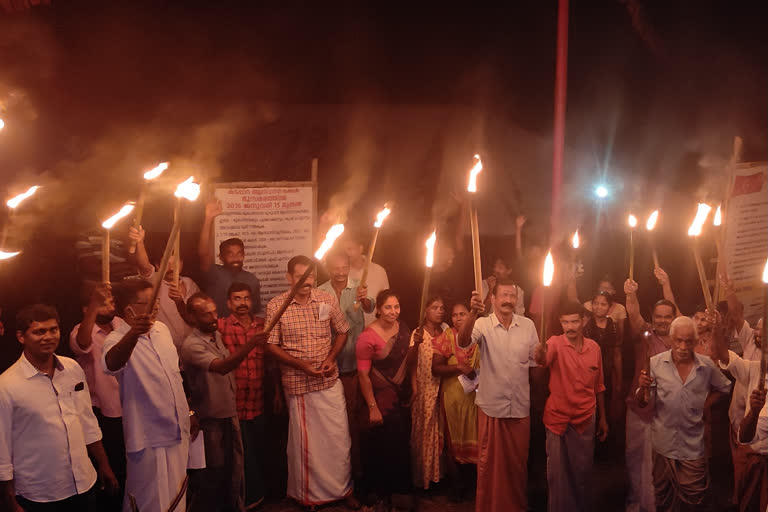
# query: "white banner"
x,y
746,243
275,222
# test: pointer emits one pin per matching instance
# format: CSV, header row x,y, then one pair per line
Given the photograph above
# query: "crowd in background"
x,y
340,400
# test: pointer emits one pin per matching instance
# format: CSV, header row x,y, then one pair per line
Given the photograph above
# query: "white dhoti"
x,y
639,457
319,468
155,476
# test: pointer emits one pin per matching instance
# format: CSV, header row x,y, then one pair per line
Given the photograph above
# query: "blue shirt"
x,y
677,429
220,278
347,359
505,356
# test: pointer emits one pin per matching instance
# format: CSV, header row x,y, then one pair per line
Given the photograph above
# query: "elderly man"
x,y
47,426
749,452
651,339
675,390
306,341
506,342
156,417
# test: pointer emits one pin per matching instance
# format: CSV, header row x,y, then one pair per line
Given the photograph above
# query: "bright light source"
x,y
601,191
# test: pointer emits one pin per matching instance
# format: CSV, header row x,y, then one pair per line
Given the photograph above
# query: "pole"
x,y
105,257
139,212
702,274
561,87
476,247
164,264
364,276
424,294
177,243
631,254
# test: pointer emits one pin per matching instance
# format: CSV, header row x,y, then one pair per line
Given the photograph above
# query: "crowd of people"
x,y
375,408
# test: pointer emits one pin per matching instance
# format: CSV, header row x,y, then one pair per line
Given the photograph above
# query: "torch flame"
x,y
472,186
765,272
16,201
2,124
330,237
383,214
549,270
124,211
576,240
652,220
718,217
7,255
188,189
430,245
157,171
632,221
702,212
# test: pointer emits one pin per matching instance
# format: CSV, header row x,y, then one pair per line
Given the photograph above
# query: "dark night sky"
x,y
401,95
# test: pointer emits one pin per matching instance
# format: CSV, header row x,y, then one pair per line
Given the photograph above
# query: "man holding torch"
x,y
651,339
306,341
507,343
157,421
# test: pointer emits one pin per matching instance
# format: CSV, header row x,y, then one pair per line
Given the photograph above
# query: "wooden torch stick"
x,y
177,243
105,256
702,275
164,264
139,212
476,247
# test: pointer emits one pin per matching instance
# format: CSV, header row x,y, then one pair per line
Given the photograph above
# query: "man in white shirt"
x,y
47,426
749,455
507,343
156,417
377,276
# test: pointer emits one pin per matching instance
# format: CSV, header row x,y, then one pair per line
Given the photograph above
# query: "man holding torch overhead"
x,y
507,343
231,254
306,341
157,421
651,339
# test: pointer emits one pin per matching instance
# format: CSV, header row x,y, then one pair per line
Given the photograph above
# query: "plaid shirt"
x,y
305,331
249,375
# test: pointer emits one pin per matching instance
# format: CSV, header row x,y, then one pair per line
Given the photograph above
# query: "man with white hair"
x,y
678,385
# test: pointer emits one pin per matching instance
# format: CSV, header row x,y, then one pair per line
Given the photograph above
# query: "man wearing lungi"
x,y
306,341
676,390
507,342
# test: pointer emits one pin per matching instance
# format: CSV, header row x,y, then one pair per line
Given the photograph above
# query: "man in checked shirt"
x,y
306,341
236,329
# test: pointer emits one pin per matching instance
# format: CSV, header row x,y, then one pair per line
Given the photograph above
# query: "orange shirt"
x,y
574,381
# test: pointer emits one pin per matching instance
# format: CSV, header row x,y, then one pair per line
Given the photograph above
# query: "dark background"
x,y
393,100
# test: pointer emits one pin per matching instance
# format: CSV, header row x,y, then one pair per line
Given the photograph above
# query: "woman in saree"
x,y
459,409
382,368
426,432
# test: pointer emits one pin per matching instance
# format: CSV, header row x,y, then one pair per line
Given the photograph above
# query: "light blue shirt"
x,y
347,360
677,429
505,356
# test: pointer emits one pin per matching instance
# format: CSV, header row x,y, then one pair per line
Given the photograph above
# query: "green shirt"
x,y
346,359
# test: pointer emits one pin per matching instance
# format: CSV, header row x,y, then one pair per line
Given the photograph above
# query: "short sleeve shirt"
x,y
305,332
677,430
212,394
249,375
105,391
575,379
505,357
